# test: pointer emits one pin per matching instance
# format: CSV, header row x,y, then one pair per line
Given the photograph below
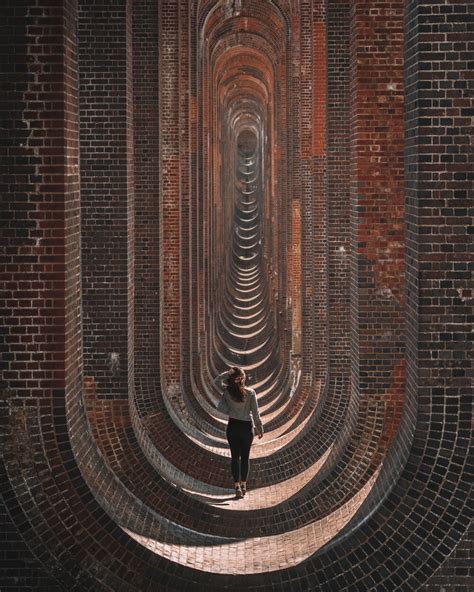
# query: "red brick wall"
x,y
376,82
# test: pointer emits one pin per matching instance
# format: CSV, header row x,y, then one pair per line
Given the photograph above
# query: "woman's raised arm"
x,y
219,379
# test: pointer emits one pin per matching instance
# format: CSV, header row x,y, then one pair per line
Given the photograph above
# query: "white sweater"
x,y
246,410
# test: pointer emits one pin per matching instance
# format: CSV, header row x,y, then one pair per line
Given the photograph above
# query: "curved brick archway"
x,y
281,185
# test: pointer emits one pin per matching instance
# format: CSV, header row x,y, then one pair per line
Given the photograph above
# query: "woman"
x,y
240,404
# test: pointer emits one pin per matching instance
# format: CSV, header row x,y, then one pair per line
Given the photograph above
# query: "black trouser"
x,y
240,437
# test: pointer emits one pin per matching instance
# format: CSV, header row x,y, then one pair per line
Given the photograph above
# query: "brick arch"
x,y
105,492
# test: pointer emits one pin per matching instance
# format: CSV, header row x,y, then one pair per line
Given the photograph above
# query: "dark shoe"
x,y
238,493
244,489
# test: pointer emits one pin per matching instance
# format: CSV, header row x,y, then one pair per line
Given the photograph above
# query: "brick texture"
x,y
107,204
285,186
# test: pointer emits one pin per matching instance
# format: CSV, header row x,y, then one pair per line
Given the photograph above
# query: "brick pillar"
x,y
376,82
338,188
170,194
146,173
305,303
318,153
40,284
107,193
185,208
312,170
294,198
439,198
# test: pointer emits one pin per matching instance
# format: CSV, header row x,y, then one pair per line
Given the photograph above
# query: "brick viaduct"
x,y
285,185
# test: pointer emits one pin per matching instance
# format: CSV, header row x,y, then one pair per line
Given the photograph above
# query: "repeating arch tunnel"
x,y
253,228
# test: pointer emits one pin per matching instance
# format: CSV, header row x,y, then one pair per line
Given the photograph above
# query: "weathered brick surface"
x,y
357,118
377,221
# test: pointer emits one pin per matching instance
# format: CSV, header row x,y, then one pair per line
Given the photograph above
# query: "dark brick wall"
x,y
107,205
170,332
439,108
455,574
147,191
40,282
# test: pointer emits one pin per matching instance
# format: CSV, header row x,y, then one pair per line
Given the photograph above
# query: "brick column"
x,y
439,198
304,297
376,82
40,284
107,193
185,208
146,174
319,228
338,185
293,222
312,167
170,195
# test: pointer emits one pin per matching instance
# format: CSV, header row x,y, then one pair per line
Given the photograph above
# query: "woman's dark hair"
x,y
236,391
